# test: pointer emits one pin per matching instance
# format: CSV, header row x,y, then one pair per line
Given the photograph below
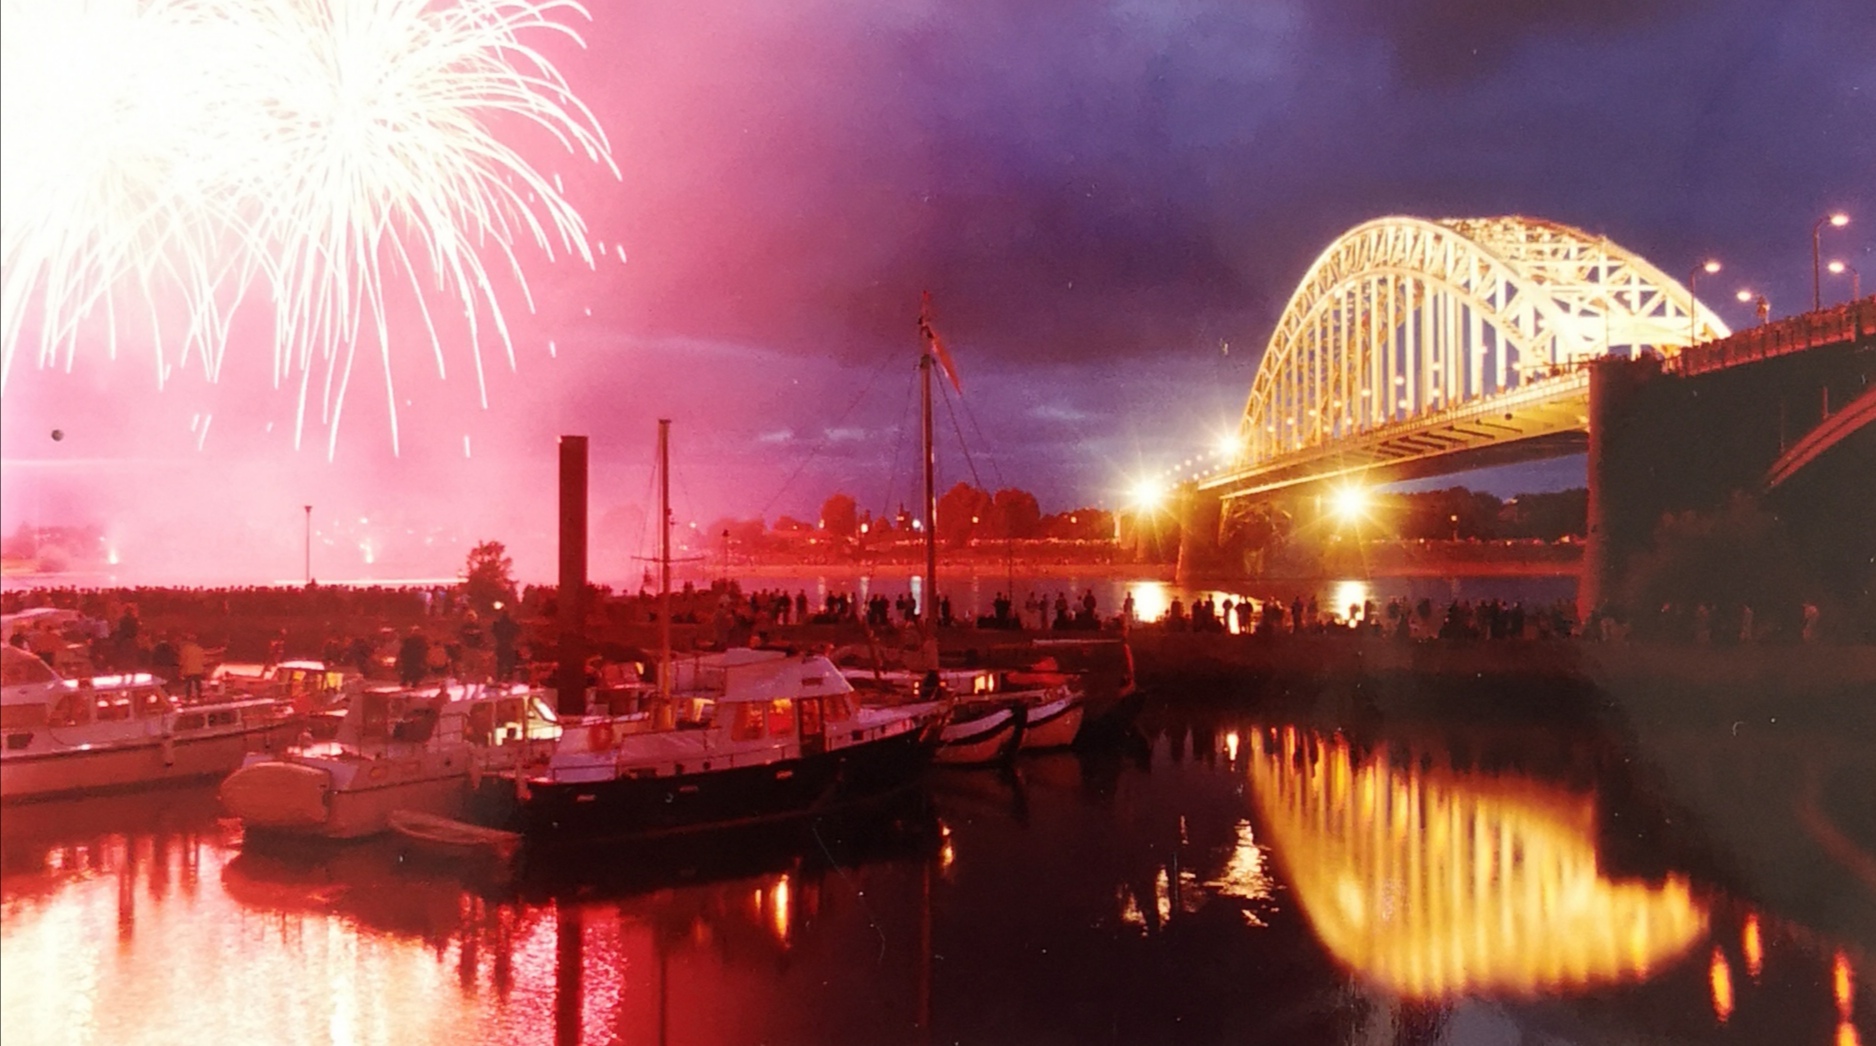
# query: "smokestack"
x,y
570,681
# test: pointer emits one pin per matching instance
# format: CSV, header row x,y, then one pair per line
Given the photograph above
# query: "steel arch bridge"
x,y
1410,342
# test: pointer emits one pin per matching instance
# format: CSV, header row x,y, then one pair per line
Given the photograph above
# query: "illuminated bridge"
x,y
1415,348
1461,340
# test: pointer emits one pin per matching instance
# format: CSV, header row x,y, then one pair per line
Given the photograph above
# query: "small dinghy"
x,y
440,836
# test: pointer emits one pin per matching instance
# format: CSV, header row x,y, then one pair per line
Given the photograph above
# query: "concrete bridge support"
x,y
1201,552
1662,443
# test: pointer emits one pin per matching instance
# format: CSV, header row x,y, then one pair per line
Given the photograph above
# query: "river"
x,y
1233,874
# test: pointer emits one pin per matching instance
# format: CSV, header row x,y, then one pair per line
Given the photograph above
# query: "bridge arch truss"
x,y
1401,319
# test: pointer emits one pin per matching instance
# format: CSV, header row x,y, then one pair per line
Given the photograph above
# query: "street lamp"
x,y
1838,221
1693,301
1764,307
309,544
1838,268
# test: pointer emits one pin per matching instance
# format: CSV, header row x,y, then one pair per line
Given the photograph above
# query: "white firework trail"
x,y
320,150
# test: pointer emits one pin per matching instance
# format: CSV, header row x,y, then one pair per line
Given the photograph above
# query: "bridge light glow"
x,y
1149,495
1840,219
1711,267
1745,295
1350,503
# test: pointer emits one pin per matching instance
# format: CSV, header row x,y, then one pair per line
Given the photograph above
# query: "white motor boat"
x,y
62,736
423,750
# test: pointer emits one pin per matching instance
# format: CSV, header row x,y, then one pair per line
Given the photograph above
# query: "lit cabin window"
x,y
781,717
72,710
748,725
150,701
835,708
113,708
481,730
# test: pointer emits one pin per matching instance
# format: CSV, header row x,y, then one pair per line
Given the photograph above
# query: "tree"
x,y
489,576
1017,514
840,517
961,510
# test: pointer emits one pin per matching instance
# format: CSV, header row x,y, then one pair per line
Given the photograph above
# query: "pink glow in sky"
x,y
1109,204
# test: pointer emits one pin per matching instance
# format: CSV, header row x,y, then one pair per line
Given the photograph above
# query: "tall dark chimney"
x,y
570,681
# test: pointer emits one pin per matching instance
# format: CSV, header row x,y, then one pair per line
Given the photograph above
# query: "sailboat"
x,y
724,739
993,715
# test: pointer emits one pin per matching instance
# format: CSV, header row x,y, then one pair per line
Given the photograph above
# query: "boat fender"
x,y
599,736
168,747
475,775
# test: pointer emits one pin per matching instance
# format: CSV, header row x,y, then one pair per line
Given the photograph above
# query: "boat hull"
x,y
627,806
145,763
990,738
1054,724
309,797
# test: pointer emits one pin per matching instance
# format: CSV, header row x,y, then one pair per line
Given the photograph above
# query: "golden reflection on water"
x,y
1720,983
1440,882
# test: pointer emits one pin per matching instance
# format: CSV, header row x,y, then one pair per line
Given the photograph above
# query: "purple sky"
x,y
1110,204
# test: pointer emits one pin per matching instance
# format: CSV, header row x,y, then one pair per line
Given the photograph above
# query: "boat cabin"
x,y
383,717
33,697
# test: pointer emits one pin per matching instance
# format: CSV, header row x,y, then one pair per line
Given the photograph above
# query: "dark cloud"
x,y
1451,42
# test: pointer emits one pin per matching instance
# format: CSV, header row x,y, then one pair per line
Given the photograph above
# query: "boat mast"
x,y
929,612
664,559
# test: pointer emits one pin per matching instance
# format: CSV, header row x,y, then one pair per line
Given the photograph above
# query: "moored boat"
x,y
446,837
982,734
1053,720
423,750
737,737
62,736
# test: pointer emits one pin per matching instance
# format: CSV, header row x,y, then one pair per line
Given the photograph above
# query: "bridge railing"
x,y
1844,323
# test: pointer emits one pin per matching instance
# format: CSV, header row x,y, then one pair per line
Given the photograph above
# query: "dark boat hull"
x,y
627,807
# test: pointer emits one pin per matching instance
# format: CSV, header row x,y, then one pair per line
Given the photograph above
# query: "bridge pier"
x,y
1695,436
1619,525
1201,552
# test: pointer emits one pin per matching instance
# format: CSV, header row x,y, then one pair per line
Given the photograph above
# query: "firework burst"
x,y
311,153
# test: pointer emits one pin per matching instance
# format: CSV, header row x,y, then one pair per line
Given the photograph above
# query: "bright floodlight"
x,y
1349,503
1840,219
1744,295
1711,266
1836,268
1228,443
1148,494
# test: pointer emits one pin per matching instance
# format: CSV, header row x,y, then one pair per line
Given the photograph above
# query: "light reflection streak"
x,y
1840,982
1720,981
1751,946
1436,882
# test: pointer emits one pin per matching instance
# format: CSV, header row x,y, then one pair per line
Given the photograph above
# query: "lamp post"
x,y
1838,220
1764,307
309,544
1693,300
1838,268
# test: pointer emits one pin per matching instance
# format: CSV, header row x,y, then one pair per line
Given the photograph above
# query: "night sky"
x,y
1110,204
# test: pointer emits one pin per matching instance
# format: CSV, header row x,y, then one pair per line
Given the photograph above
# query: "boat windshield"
x,y
19,668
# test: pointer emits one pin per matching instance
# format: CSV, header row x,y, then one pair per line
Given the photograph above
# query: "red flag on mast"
x,y
937,345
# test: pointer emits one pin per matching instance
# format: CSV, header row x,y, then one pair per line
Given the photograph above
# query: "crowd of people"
x,y
1398,618
419,632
